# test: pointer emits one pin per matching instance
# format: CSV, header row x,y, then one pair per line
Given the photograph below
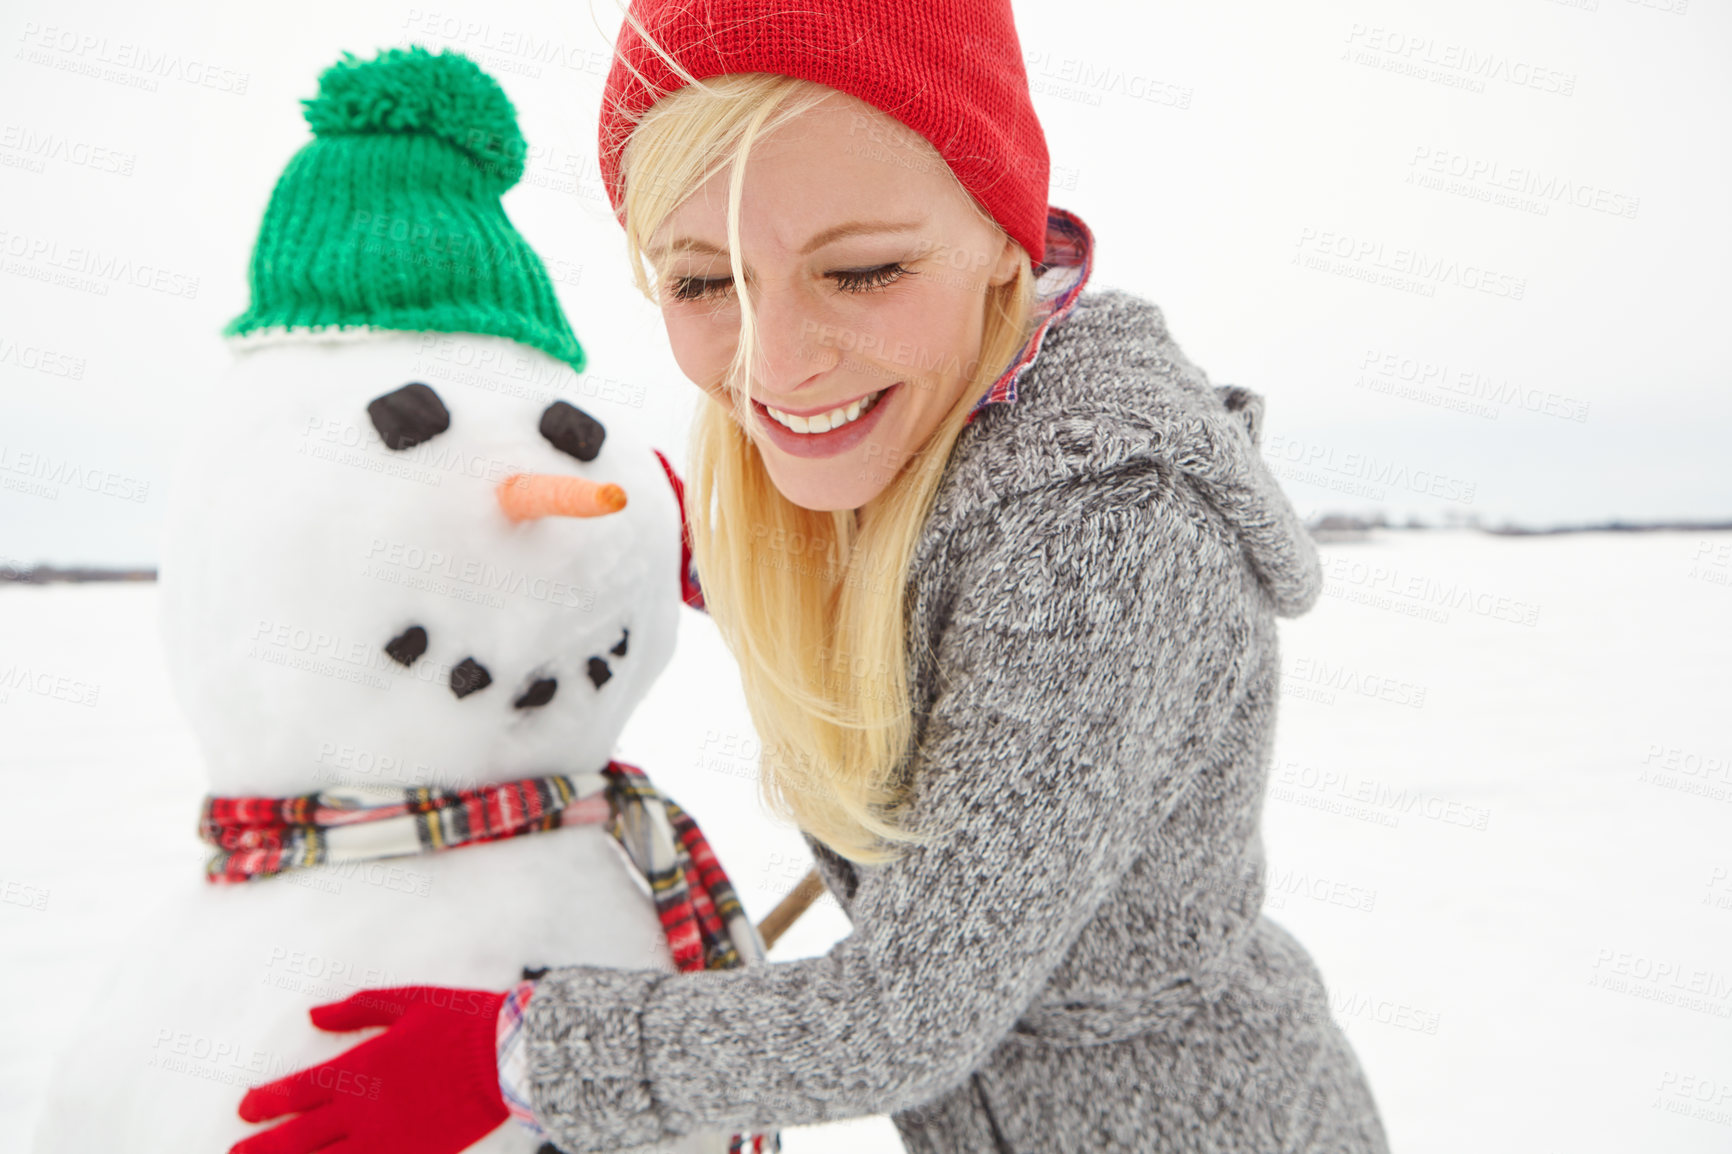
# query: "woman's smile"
x,y
820,435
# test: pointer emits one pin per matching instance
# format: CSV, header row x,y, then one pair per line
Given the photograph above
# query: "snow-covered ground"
x,y
1500,817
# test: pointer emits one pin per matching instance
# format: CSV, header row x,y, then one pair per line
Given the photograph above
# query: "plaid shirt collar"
x,y
1058,280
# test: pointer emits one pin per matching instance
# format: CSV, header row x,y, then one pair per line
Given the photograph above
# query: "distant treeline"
x,y
1333,524
43,574
1326,527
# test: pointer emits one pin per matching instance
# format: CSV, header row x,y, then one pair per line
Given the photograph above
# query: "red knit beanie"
x,y
950,70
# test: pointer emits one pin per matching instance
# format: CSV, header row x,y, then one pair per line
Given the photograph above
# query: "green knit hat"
x,y
390,217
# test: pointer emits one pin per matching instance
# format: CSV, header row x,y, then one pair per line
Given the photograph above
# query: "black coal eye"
x,y
599,672
469,675
407,416
407,645
619,650
540,692
572,431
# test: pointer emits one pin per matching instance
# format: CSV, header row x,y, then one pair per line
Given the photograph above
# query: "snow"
x,y
1505,843
298,543
1557,976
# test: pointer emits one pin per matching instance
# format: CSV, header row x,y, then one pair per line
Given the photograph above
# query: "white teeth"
x,y
824,422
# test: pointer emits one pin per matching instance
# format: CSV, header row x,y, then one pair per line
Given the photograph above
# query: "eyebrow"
x,y
857,228
828,236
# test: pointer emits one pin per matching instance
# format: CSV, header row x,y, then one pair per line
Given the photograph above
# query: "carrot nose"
x,y
525,496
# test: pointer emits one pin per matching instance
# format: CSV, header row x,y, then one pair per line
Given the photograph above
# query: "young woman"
x,y
1002,571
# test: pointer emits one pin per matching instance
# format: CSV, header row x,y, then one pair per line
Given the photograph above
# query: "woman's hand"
x,y
428,1085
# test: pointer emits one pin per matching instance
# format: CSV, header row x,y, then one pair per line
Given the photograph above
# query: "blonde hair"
x,y
810,602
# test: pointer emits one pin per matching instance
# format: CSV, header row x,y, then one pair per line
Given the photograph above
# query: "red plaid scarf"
x,y
705,924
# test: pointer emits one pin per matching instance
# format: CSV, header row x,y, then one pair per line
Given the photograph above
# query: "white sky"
x,y
1207,145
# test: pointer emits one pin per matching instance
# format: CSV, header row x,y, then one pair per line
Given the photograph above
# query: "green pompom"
x,y
411,90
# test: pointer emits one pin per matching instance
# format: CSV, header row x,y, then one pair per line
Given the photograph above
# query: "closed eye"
x,y
856,280
692,288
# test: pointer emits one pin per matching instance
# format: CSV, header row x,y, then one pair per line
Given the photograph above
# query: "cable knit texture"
x,y
1080,962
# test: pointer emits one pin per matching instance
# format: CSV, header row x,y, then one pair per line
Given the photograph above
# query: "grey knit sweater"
x,y
1081,964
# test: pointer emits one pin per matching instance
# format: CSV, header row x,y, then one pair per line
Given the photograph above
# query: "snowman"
x,y
402,562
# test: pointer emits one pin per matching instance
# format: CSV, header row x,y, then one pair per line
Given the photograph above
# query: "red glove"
x,y
428,1085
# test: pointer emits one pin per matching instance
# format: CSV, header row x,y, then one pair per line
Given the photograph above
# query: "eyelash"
x,y
855,280
859,280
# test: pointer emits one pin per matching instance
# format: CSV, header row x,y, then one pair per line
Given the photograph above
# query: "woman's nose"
x,y
795,342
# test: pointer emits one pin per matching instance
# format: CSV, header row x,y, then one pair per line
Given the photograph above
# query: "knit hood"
x,y
1111,387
